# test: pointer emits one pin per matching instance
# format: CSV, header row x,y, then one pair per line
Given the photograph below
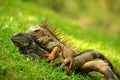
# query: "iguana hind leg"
x,y
68,55
66,61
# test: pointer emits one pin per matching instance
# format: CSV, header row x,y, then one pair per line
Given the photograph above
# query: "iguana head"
x,y
36,31
21,39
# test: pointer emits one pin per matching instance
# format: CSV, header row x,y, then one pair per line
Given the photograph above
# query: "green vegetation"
x,y
102,14
18,16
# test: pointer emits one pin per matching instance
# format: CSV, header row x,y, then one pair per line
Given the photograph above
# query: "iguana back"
x,y
49,41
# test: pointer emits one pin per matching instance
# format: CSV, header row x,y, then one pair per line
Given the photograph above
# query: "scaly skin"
x,y
99,66
92,55
26,44
55,47
89,55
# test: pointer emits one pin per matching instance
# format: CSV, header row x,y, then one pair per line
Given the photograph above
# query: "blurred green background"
x,y
91,24
103,14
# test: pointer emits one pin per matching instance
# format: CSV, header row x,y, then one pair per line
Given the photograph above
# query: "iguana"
x,y
50,42
27,44
55,46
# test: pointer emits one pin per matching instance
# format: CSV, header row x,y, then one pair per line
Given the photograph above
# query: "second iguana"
x,y
26,45
46,39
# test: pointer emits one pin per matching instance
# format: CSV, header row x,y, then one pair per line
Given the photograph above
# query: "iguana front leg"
x,y
33,54
54,53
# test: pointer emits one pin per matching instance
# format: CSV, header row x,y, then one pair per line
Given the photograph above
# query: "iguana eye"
x,y
37,30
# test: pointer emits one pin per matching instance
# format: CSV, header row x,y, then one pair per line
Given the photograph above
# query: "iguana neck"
x,y
54,36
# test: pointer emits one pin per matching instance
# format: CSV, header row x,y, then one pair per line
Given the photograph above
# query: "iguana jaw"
x,y
19,40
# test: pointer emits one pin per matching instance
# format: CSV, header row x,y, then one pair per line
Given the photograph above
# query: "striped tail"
x,y
99,55
110,64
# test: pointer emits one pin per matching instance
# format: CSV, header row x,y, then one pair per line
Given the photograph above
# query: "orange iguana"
x,y
46,39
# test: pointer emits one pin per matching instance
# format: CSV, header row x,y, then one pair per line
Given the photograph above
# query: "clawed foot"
x,y
70,66
65,62
50,57
69,72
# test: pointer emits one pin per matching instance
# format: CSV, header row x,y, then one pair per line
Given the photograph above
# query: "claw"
x,y
51,61
47,54
70,67
47,59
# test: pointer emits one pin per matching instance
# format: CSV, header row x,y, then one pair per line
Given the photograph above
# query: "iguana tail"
x,y
99,66
110,64
95,54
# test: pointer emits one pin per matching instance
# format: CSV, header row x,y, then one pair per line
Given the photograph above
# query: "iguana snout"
x,y
20,39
